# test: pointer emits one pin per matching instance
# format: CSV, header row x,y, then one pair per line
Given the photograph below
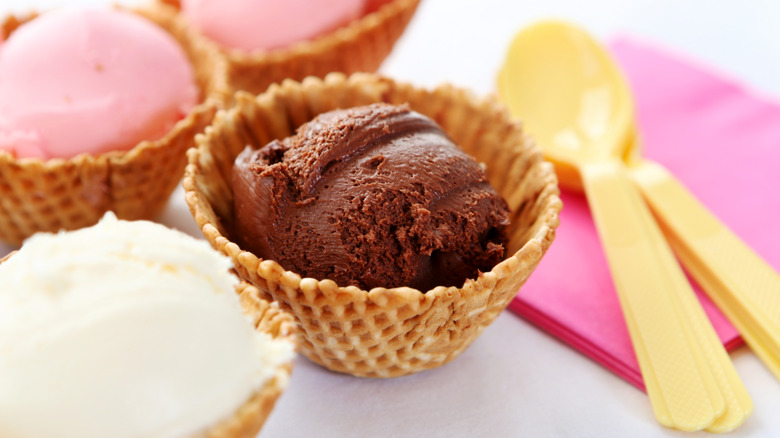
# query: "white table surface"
x,y
516,380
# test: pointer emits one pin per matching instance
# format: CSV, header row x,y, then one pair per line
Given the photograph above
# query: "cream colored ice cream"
x,y
124,329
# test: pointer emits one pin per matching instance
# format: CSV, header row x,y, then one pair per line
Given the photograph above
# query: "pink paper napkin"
x,y
722,142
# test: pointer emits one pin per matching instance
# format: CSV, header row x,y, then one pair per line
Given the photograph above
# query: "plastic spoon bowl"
x,y
576,116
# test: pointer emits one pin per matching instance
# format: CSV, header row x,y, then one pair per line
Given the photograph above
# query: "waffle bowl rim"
x,y
535,246
318,44
213,93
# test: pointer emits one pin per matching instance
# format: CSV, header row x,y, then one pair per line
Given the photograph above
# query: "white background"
x,y
515,380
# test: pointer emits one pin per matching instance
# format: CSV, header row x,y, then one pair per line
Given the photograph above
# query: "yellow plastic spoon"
x,y
577,105
740,283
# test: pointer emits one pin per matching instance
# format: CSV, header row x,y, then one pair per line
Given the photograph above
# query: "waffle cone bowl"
x,y
360,46
267,318
37,195
381,332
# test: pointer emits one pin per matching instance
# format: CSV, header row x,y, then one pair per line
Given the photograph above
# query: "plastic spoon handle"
x,y
713,254
739,405
680,383
751,329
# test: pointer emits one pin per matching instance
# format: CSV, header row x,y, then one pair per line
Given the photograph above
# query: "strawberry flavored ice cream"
x,y
268,24
90,80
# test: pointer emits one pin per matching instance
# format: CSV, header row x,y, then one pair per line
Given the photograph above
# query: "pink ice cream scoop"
x,y
90,80
268,24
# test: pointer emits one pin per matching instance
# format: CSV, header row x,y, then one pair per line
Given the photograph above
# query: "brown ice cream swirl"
x,y
370,196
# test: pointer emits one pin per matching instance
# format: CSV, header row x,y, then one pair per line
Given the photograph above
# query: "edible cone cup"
x,y
361,46
38,195
268,318
384,332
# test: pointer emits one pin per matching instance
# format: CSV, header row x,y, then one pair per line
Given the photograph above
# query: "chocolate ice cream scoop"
x,y
369,196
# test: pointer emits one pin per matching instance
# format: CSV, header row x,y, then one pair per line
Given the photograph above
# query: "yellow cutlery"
x,y
575,102
728,270
738,403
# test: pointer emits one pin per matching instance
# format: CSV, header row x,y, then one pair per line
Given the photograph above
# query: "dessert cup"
x,y
382,332
266,317
360,46
38,195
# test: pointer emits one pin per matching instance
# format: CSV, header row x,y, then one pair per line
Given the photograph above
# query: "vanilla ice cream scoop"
x,y
124,329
